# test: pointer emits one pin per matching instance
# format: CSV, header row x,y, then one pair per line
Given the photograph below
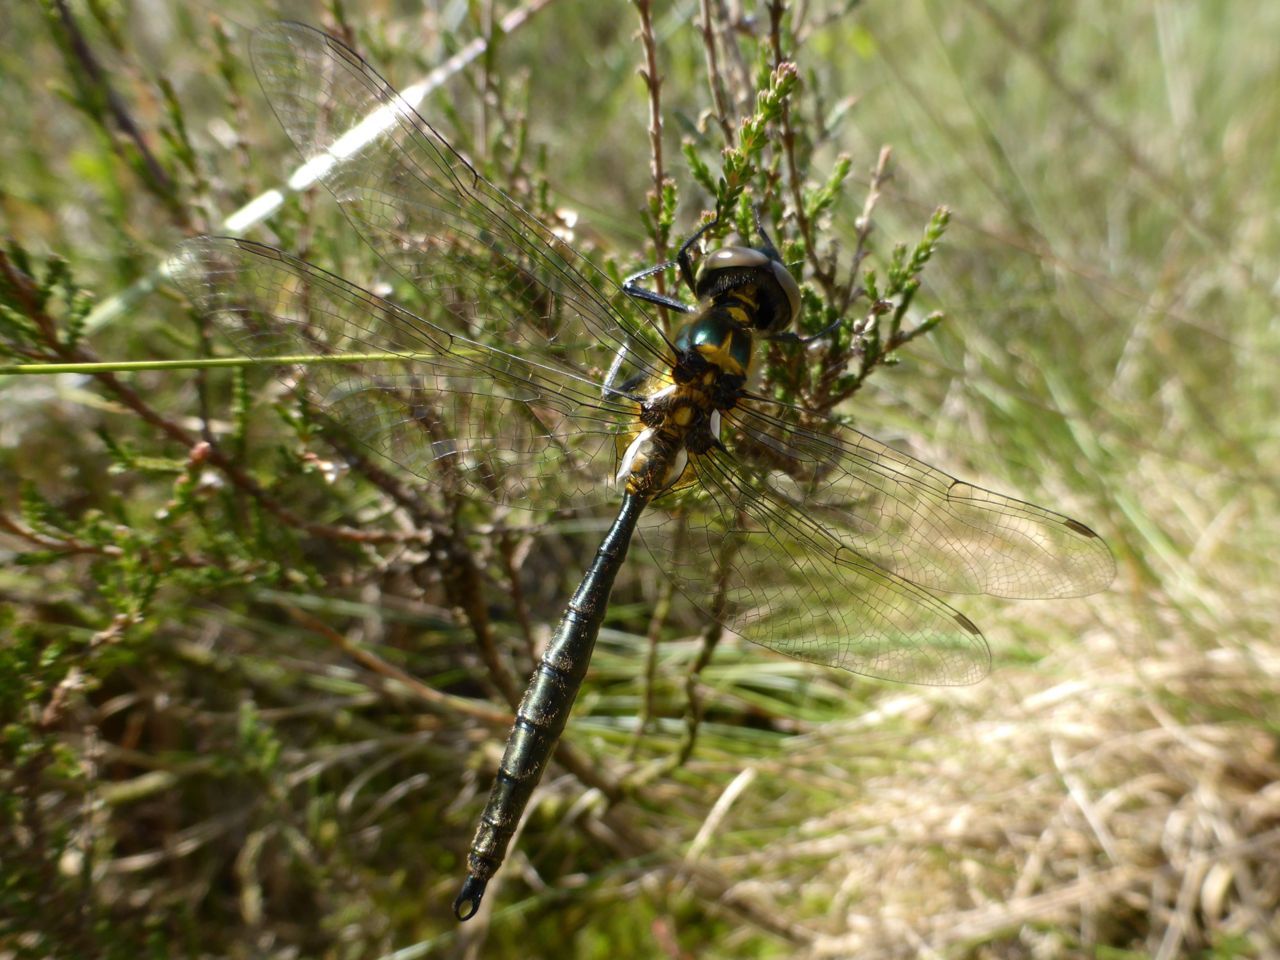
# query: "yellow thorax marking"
x,y
746,301
719,353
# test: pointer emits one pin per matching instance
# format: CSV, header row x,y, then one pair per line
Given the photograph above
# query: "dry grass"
x,y
1043,814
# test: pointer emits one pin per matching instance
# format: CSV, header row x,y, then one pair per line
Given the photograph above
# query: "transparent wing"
x,y
815,540
433,219
771,585
850,493
509,371
446,408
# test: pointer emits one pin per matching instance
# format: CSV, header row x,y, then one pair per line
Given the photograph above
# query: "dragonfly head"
x,y
754,275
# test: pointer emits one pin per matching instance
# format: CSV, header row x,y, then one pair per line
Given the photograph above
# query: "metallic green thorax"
x,y
722,334
741,296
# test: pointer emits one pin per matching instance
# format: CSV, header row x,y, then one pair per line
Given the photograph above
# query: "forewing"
x,y
432,218
448,409
858,495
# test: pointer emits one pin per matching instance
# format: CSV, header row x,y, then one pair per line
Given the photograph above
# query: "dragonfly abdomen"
x,y
545,708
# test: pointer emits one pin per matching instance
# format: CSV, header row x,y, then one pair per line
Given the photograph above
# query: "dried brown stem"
x,y
63,544
653,84
512,555
478,709
823,274
653,635
657,168
714,77
24,288
155,175
710,640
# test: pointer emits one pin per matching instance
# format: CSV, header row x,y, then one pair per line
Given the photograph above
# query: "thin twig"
x,y
834,362
653,83
479,709
466,590
24,288
714,78
657,168
157,177
653,635
65,545
512,556
710,639
795,181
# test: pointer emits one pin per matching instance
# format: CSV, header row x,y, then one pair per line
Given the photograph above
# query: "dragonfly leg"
x,y
683,260
768,248
789,336
632,288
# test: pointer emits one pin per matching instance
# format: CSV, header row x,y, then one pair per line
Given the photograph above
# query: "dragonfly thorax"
x,y
709,373
721,337
680,419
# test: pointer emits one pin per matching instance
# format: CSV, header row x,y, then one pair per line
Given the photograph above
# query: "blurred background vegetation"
x,y
235,730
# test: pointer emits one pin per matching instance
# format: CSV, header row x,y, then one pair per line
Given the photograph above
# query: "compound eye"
x,y
789,286
727,257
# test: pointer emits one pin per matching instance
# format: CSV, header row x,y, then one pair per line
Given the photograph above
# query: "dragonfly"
x,y
507,363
